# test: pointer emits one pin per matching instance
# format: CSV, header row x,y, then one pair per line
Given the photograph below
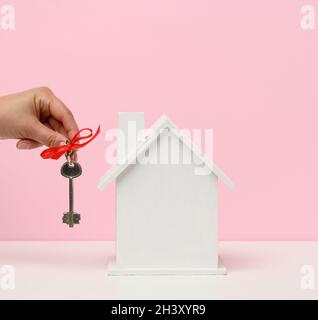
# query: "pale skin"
x,y
35,118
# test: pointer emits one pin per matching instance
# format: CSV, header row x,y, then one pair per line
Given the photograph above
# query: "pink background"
x,y
244,68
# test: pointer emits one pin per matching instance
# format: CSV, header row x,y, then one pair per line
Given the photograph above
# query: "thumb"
x,y
47,136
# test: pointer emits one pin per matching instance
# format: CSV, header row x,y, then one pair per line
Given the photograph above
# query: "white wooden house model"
x,y
166,211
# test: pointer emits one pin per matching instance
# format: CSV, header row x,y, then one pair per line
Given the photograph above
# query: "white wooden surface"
x,y
77,270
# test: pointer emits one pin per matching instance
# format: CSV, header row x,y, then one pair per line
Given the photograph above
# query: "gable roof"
x,y
162,123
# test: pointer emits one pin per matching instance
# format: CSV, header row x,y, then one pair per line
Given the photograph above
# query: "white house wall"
x,y
166,215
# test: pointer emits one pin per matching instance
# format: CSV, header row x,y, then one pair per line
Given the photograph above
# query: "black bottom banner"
x,y
147,309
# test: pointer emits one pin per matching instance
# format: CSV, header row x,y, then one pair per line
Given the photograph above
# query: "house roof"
x,y
162,123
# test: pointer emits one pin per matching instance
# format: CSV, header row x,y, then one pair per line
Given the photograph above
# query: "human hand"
x,y
36,117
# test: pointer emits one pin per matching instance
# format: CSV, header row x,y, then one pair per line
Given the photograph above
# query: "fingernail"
x,y
23,145
74,156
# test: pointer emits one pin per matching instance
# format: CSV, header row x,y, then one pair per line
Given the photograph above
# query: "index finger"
x,y
60,112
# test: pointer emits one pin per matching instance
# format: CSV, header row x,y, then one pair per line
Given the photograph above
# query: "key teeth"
x,y
71,218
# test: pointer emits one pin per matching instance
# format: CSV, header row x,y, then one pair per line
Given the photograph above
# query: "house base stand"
x,y
115,270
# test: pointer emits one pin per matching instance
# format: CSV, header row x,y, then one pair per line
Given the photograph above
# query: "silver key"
x,y
71,170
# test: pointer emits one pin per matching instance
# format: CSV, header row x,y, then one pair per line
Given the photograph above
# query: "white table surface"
x,y
78,270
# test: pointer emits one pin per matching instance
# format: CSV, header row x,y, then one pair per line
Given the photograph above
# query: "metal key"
x,y
71,170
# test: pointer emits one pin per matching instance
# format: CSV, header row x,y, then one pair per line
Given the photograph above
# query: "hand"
x,y
36,117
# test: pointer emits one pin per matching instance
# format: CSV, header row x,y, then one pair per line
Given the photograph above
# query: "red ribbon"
x,y
56,152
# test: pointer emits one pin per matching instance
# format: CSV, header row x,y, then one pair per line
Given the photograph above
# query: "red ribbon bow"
x,y
56,152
